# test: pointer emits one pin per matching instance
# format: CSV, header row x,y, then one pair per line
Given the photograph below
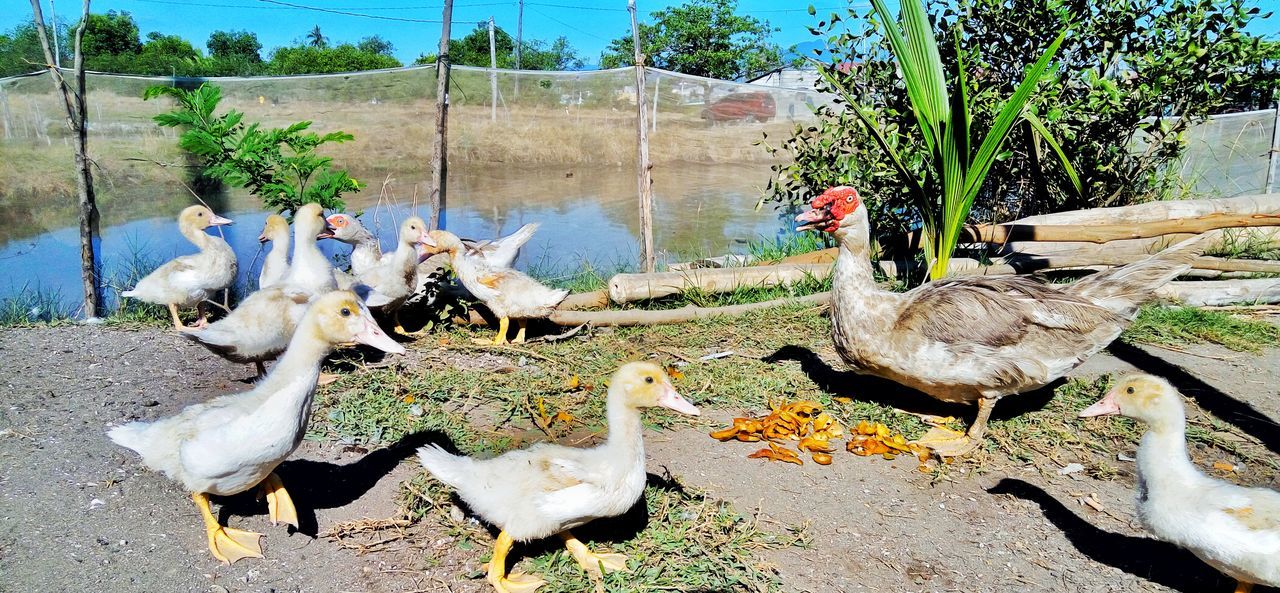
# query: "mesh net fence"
x,y
557,148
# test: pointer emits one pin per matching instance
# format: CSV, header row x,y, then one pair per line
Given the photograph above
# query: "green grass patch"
x,y
1176,326
690,543
34,306
788,245
1245,244
1055,435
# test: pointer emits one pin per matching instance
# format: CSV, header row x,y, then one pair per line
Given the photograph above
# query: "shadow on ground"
x,y
1238,413
882,391
1146,558
323,485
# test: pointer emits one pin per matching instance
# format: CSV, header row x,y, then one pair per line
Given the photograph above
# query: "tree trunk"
x,y
78,121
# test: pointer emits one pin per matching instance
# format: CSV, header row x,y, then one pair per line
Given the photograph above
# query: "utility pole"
x,y
493,75
519,42
439,157
644,172
57,54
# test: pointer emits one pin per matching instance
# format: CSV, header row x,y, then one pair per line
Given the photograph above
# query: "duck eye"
x,y
1129,391
648,379
345,312
849,199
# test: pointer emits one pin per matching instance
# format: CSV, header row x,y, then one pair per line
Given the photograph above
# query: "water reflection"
x,y
587,215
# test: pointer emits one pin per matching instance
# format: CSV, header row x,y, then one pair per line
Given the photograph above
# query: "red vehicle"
x,y
744,107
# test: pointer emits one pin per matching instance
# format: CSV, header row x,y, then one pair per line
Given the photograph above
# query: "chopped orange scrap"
x,y
1223,466
802,421
874,438
574,382
674,372
408,399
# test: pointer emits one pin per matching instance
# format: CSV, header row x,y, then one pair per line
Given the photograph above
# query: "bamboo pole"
x,y
684,314
644,173
78,120
439,156
626,288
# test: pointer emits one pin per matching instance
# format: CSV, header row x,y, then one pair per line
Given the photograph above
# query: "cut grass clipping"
x,y
685,542
1176,326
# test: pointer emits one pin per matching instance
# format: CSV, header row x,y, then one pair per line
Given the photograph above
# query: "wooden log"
x,y
440,144
684,314
1004,233
626,288
1264,291
597,299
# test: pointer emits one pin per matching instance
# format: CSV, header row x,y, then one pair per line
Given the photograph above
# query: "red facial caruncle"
x,y
830,208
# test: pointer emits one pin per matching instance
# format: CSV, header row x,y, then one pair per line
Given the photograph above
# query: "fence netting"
x,y
552,147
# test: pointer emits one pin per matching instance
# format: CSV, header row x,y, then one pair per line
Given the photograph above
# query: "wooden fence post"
x,y
1273,157
439,158
644,172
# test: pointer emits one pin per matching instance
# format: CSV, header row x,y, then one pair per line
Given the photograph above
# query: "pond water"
x,y
588,217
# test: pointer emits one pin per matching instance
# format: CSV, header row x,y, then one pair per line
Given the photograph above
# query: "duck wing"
x,y
502,252
995,311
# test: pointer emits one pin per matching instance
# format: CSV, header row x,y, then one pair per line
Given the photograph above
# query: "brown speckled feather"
x,y
995,311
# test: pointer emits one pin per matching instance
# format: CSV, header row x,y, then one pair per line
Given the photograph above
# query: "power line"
x,y
356,14
574,7
564,24
362,8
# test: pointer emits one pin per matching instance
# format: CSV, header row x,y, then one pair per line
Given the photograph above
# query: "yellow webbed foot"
x,y
517,582
523,324
230,545
279,504
226,544
1243,587
590,561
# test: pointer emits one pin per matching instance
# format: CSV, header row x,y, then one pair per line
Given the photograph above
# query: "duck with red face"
x,y
979,338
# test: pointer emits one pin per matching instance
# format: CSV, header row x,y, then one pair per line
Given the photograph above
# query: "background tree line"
x,y
113,43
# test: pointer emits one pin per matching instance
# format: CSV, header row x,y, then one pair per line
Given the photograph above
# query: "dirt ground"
x,y
80,514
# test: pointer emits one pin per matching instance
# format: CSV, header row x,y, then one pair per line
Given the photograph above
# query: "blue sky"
x,y
588,24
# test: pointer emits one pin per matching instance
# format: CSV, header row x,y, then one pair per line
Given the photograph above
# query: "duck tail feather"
x,y
1125,288
446,467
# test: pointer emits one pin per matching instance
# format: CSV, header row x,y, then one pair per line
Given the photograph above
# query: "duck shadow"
x,y
1156,561
885,392
624,527
323,485
1229,409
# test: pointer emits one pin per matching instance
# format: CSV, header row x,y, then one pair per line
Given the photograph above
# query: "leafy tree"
x,y
375,44
279,165
316,39
112,33
20,50
703,38
234,45
170,46
1131,73
473,50
323,60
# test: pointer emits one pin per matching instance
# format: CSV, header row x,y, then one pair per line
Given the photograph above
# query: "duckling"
x,y
1232,528
234,442
276,265
256,331
549,489
396,276
190,279
508,293
310,271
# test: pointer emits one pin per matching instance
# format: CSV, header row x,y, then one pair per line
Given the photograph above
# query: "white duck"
x,y
506,292
549,489
276,265
233,443
1234,529
310,271
258,330
502,252
395,277
977,338
190,279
